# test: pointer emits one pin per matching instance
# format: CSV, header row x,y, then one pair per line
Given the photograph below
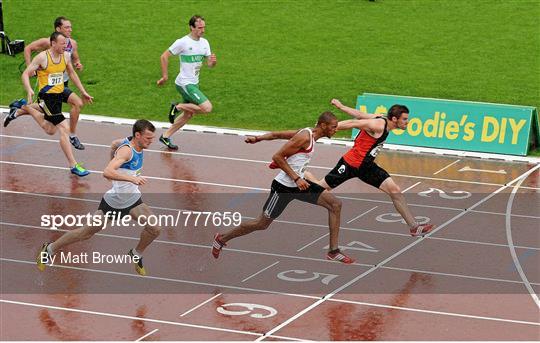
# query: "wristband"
x,y
297,178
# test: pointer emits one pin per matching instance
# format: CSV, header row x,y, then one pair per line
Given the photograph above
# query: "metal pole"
x,y
2,29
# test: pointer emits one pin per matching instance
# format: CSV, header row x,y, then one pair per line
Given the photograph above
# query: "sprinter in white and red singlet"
x,y
293,159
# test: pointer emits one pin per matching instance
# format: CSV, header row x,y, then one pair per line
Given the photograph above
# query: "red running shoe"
x,y
421,230
340,257
217,245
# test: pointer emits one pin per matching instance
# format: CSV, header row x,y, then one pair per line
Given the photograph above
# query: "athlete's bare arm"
x,y
373,127
211,61
75,78
271,136
114,146
301,140
75,58
40,61
351,111
111,171
37,45
164,59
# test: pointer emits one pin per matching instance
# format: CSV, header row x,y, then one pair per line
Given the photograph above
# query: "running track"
x,y
475,278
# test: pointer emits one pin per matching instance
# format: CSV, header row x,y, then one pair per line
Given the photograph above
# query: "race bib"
x,y
376,150
56,79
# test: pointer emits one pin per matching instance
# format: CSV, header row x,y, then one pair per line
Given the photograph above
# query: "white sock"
x,y
72,135
136,253
49,250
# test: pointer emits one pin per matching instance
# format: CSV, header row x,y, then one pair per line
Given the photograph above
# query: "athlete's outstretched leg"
x,y
65,144
392,189
149,233
333,205
35,111
76,235
310,177
76,104
178,123
142,214
261,223
220,240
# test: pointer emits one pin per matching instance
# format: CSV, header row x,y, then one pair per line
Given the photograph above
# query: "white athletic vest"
x,y
298,162
124,194
192,54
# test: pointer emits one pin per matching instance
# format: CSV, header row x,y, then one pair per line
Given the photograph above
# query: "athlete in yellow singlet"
x,y
47,112
63,25
51,87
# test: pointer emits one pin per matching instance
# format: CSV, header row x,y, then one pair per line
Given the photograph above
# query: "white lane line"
x,y
362,214
260,271
266,162
148,334
456,275
145,176
101,271
114,315
385,261
467,168
511,241
287,256
159,321
291,339
153,151
504,214
411,187
448,166
201,304
192,245
307,245
288,222
335,300
98,119
451,314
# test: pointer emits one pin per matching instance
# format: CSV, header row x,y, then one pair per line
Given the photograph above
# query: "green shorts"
x,y
191,94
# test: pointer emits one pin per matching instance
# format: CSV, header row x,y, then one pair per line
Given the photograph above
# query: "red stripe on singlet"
x,y
363,144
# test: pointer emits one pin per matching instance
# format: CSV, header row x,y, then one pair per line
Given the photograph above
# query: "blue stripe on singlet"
x,y
45,89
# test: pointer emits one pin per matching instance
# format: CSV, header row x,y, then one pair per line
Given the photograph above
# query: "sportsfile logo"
x,y
182,218
56,221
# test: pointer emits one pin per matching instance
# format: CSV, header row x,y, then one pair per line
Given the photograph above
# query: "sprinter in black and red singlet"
x,y
359,161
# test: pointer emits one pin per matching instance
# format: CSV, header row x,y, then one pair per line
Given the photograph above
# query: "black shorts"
x,y
114,212
370,173
66,93
280,196
51,105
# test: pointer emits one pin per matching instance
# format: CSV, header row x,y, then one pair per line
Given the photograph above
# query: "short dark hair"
x,y
55,35
194,19
397,111
142,125
59,22
326,117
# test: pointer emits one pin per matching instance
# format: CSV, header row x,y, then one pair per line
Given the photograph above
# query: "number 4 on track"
x,y
467,168
359,247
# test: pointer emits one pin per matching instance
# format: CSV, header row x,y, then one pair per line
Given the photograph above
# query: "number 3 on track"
x,y
457,195
250,308
396,218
